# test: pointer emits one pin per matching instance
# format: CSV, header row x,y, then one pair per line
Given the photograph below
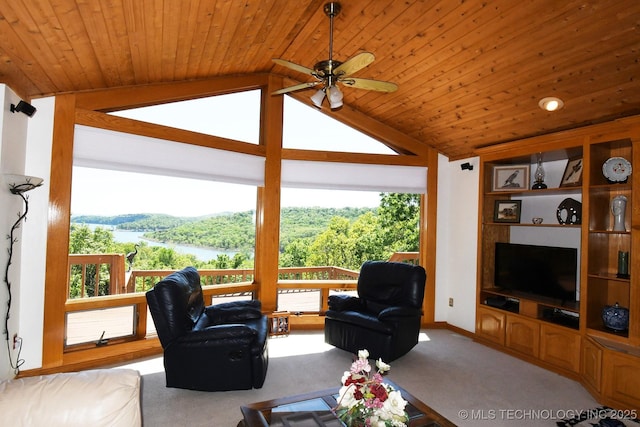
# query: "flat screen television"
x,y
544,271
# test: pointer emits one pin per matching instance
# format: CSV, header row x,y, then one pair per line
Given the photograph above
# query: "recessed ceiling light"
x,y
551,103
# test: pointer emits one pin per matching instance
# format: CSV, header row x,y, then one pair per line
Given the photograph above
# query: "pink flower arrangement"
x,y
365,401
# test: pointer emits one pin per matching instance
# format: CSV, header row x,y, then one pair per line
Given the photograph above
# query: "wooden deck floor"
x,y
88,326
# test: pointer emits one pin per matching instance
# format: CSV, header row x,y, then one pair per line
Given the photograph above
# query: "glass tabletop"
x,y
306,413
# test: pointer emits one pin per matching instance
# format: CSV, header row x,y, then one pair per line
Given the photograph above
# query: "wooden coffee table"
x,y
314,410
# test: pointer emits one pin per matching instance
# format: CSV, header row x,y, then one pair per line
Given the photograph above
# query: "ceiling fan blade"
x,y
370,84
354,64
295,87
293,66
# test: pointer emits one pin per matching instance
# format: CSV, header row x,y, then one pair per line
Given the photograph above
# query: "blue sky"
x,y
102,192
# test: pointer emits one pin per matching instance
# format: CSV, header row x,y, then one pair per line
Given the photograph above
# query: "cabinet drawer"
x,y
560,347
490,325
522,335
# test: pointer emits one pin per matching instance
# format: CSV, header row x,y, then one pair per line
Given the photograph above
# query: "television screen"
x,y
537,270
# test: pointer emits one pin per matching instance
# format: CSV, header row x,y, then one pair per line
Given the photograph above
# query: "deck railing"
x,y
107,271
95,275
100,288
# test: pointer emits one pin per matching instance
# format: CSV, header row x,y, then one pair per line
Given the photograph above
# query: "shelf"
x,y
521,224
609,232
559,317
610,187
602,331
616,346
607,276
549,302
543,192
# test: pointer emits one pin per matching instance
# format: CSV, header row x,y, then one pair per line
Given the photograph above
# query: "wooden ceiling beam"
x,y
144,95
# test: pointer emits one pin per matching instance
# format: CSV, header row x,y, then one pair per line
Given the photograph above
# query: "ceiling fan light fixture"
x,y
551,103
329,72
334,95
317,98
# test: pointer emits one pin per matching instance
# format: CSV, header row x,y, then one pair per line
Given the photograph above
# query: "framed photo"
x,y
279,323
572,173
510,178
507,211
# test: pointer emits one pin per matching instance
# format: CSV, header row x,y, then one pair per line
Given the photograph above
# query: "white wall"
x,y
25,149
13,130
34,233
457,237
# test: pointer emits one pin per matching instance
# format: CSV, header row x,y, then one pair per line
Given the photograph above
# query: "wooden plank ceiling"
x,y
470,73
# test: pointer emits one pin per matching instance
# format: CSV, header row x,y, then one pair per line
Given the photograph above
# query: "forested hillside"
x,y
135,222
228,231
343,237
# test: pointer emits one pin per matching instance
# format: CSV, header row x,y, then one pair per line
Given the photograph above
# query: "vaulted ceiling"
x,y
470,73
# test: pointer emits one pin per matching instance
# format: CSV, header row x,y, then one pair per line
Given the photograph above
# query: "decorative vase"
x,y
618,209
623,265
616,317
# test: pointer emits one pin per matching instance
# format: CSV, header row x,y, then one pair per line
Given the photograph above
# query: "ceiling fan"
x,y
329,72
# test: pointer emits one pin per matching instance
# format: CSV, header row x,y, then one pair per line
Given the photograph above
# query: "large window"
x,y
162,214
307,129
234,116
142,205
335,216
159,204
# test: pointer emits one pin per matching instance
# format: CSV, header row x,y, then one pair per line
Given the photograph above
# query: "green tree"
x,y
399,221
366,240
295,254
82,240
331,247
223,261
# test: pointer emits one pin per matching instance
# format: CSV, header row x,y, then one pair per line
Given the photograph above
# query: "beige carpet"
x,y
470,384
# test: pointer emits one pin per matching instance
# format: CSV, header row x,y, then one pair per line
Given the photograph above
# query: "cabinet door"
x,y
620,378
560,346
490,325
523,335
591,364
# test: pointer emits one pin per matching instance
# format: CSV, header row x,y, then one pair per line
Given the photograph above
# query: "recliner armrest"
x,y
220,332
232,312
342,302
399,312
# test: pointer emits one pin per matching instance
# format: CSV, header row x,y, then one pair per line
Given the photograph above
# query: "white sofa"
x,y
101,397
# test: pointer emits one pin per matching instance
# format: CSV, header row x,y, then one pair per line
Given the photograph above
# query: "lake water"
x,y
202,254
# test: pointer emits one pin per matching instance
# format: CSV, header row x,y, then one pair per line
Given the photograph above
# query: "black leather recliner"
x,y
214,348
385,317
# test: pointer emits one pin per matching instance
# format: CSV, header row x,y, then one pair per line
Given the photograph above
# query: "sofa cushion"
x,y
101,397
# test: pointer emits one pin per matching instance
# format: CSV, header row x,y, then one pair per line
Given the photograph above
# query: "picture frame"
x,y
572,176
279,323
507,211
510,178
